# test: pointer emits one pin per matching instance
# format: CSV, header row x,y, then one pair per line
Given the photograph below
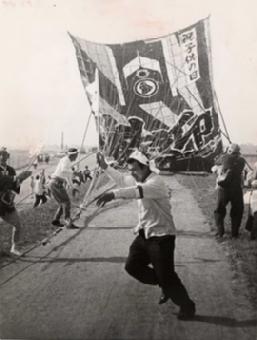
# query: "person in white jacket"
x,y
155,240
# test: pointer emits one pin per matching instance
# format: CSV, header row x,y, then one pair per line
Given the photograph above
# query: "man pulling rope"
x,y
61,178
155,241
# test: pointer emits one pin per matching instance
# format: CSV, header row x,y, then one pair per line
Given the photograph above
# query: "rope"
x,y
86,156
222,118
86,196
227,137
23,199
83,138
249,166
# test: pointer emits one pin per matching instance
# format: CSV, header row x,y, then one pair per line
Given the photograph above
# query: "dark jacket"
x,y
234,164
8,185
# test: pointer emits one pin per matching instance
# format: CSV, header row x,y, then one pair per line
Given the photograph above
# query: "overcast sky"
x,y
41,93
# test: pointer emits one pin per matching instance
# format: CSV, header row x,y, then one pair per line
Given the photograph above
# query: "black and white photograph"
x,y
128,170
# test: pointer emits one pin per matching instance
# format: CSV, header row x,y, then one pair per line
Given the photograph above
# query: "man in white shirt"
x,y
155,242
61,178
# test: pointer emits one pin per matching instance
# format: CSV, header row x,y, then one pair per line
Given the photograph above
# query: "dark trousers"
x,y
159,252
88,177
235,197
38,199
60,194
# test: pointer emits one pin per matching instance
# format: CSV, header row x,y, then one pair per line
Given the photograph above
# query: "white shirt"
x,y
217,170
64,170
254,172
250,197
154,209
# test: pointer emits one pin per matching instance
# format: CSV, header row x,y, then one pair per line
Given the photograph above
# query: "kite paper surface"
x,y
155,95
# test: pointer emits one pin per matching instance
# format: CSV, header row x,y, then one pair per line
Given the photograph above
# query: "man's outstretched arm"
x,y
119,178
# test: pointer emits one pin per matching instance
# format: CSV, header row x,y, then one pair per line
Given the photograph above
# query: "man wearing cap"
x,y
9,186
61,178
230,190
155,241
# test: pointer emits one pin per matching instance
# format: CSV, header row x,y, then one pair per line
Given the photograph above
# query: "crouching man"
x,y
155,240
60,179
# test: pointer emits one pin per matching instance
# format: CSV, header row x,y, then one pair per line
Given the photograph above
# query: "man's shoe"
x,y
15,252
187,312
163,299
72,226
57,223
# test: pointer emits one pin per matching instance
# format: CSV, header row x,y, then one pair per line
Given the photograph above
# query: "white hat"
x,y
72,151
140,157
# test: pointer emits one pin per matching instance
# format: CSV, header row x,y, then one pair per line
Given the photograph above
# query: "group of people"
x,y
151,254
56,186
78,177
156,233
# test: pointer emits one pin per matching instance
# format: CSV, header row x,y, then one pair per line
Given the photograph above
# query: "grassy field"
x,y
242,253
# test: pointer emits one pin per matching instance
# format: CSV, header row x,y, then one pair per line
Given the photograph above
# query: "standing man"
x,y
155,242
87,174
39,190
230,190
60,179
9,186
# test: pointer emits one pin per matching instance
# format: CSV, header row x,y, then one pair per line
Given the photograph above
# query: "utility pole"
x,y
62,141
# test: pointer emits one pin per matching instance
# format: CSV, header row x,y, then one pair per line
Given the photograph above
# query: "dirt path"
x,y
76,287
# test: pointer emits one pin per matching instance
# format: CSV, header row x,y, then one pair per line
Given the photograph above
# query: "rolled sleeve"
x,y
127,193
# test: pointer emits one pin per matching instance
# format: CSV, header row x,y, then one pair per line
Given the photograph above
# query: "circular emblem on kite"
x,y
146,87
142,73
